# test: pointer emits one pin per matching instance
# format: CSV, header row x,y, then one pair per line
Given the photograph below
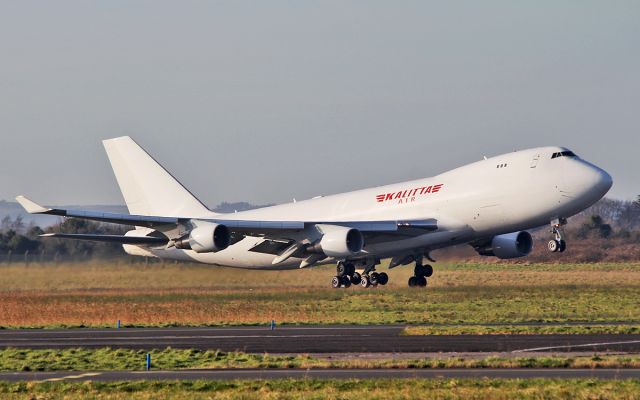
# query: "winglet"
x,y
30,206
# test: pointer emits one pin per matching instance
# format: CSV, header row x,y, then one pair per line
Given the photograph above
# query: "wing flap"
x,y
109,238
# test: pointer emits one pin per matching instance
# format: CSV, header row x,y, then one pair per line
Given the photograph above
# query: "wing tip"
x,y
31,206
116,139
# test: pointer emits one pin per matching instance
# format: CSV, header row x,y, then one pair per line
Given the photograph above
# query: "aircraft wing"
x,y
249,227
123,219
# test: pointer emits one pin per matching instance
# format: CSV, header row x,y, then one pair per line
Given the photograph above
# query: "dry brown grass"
x,y
165,294
104,275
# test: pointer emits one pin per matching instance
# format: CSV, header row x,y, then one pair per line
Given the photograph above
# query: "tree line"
x,y
18,239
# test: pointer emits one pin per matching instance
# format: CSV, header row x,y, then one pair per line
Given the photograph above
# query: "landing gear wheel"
x,y
374,278
423,270
383,278
346,281
428,271
563,246
365,282
422,281
335,282
356,278
413,281
341,269
557,244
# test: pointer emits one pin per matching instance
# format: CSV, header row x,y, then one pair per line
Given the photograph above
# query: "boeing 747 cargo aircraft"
x,y
488,204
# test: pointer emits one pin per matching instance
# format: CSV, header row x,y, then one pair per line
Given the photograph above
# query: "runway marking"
x,y
574,345
62,378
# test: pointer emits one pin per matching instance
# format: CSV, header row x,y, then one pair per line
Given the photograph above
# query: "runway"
x,y
228,374
311,339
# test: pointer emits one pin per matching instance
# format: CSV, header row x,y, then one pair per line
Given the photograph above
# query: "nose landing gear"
x,y
557,244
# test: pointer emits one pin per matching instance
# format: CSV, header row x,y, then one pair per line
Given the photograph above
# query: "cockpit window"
x,y
564,154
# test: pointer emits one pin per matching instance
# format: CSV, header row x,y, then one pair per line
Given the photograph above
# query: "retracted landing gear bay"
x,y
557,244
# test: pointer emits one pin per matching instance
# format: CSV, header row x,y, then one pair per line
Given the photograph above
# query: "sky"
x,y
269,101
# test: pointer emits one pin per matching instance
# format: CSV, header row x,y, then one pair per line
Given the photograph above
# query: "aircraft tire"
x,y
374,278
423,270
383,278
422,281
365,282
341,269
356,278
413,281
335,282
563,246
553,246
346,281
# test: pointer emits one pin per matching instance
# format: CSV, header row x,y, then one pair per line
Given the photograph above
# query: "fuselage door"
x,y
534,161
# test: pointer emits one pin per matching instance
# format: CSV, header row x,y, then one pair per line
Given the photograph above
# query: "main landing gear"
x,y
347,276
557,244
420,274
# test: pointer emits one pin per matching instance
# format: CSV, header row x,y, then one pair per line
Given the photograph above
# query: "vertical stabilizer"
x,y
148,188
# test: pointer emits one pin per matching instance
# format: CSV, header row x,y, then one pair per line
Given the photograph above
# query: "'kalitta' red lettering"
x,y
408,193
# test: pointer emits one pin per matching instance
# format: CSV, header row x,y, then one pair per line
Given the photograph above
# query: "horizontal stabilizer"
x,y
109,238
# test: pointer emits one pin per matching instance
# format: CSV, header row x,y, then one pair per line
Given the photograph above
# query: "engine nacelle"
x,y
510,245
338,241
206,238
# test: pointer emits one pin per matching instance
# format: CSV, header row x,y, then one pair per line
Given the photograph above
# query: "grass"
x,y
453,389
178,294
521,330
171,359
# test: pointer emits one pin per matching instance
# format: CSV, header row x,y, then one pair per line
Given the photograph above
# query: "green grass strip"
x,y
452,389
521,330
171,359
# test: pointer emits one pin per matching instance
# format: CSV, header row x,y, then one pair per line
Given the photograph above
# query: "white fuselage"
x,y
507,193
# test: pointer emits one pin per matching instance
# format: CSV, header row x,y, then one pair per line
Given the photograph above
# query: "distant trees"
x,y
621,215
595,227
18,239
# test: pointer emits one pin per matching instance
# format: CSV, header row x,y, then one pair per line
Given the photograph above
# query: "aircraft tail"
x,y
148,188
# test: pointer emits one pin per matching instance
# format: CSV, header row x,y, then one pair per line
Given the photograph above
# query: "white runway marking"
x,y
62,378
575,345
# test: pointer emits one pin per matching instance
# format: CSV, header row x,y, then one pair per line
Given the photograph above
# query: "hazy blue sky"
x,y
265,101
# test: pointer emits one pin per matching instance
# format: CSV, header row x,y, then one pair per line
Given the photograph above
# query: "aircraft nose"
x,y
600,180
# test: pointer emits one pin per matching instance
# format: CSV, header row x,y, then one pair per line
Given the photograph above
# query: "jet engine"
x,y
338,241
206,238
510,245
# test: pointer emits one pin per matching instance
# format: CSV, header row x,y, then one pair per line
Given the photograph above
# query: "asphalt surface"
x,y
320,374
311,339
